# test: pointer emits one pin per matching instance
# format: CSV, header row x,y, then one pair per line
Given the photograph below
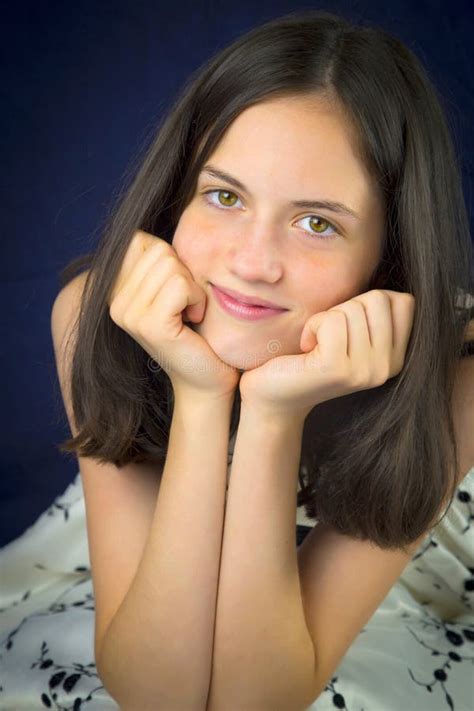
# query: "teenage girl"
x,y
291,264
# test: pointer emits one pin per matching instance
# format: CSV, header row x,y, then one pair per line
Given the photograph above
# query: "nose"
x,y
255,254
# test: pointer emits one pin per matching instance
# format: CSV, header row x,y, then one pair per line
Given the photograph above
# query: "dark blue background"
x,y
85,84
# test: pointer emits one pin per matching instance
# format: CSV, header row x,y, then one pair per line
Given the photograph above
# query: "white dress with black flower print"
x,y
415,654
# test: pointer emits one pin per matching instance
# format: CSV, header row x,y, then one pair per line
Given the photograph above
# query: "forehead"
x,y
296,144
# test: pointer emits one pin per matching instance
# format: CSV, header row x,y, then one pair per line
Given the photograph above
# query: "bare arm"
x,y
157,652
283,622
263,656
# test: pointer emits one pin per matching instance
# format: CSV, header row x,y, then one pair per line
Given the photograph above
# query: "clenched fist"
x,y
352,346
152,291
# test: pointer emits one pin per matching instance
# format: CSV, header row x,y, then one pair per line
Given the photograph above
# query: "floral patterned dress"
x,y
415,654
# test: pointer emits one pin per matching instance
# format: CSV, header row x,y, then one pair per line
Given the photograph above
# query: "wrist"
x,y
200,401
271,418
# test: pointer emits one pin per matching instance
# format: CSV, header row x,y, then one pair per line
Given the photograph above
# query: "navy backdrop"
x,y
85,84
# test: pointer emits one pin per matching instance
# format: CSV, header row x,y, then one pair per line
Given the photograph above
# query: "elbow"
x,y
131,695
108,682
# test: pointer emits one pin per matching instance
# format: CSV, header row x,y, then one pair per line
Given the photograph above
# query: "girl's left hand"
x,y
356,345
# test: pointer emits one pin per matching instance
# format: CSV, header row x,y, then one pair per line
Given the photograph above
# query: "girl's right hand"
x,y
147,300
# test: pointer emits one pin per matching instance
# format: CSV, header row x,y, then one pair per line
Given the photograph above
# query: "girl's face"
x,y
255,240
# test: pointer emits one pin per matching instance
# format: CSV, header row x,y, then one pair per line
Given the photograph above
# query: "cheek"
x,y
194,244
328,284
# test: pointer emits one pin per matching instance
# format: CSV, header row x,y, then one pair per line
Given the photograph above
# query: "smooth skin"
x,y
258,243
345,338
147,300
355,346
334,338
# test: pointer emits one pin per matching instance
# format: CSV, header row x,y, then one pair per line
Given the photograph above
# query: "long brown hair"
x,y
377,464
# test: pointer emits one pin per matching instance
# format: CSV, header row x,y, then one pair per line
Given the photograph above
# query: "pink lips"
x,y
241,310
250,300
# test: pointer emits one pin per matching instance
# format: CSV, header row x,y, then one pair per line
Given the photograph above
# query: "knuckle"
x,y
359,304
397,367
144,242
336,311
114,312
129,320
162,262
357,375
406,298
179,278
380,294
160,245
362,377
165,247
384,373
139,240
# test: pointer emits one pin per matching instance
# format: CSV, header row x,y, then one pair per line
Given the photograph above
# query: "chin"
x,y
246,361
235,351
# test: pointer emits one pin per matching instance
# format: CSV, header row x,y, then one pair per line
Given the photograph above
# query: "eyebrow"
x,y
331,205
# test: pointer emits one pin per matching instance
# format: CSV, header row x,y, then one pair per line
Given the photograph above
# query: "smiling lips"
x,y
243,310
250,300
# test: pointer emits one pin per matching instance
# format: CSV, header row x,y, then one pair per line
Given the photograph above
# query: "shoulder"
x,y
463,392
64,314
66,307
463,414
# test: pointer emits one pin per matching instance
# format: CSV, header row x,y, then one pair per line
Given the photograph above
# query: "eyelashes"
x,y
207,195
